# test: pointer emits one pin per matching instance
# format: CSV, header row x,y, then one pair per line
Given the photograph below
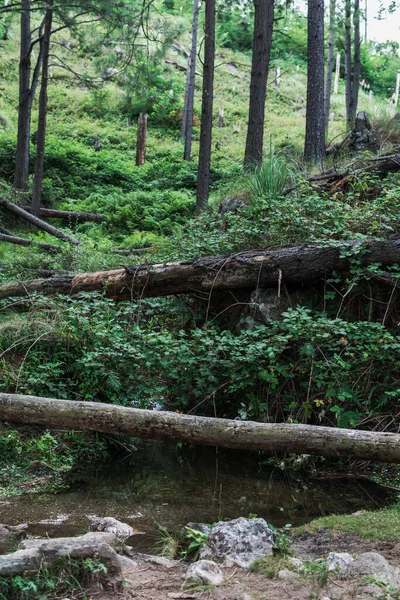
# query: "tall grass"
x,y
269,179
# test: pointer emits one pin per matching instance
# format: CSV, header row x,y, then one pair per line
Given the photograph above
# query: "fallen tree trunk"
x,y
23,214
160,425
67,215
12,239
306,263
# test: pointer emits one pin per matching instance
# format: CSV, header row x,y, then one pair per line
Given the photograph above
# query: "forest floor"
x,y
149,581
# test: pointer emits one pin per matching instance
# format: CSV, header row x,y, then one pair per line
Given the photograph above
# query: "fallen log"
x,y
12,239
68,215
306,263
159,425
23,214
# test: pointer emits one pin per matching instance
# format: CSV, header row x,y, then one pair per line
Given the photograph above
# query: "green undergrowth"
x,y
307,367
67,576
383,525
33,460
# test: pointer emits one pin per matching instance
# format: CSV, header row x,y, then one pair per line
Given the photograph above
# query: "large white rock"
x,y
111,525
239,542
336,561
204,572
372,564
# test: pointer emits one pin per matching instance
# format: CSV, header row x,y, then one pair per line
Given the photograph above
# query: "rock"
x,y
361,136
111,525
204,572
287,575
50,551
336,561
10,536
127,562
203,527
265,304
239,542
156,560
372,564
296,564
100,537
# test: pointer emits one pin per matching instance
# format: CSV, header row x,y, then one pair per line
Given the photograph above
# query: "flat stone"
x,y
111,525
204,572
295,563
288,575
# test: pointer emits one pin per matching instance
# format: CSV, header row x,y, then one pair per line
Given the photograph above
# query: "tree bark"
x,y
329,66
356,60
203,174
306,263
314,146
348,66
187,119
41,131
27,90
141,140
162,425
23,214
67,215
262,39
24,242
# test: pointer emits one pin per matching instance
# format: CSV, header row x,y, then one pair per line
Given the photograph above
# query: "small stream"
x,y
160,484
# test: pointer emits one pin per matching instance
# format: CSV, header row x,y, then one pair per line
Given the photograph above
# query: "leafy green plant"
x,y
282,541
197,539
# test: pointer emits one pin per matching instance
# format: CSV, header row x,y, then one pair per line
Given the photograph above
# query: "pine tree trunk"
x,y
314,147
141,140
203,175
41,131
356,59
296,265
226,433
187,120
329,66
348,64
262,38
25,100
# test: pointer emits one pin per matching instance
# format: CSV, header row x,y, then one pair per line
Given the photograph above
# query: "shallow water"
x,y
160,484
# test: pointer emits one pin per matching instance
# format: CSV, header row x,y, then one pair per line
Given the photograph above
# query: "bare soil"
x,y
147,581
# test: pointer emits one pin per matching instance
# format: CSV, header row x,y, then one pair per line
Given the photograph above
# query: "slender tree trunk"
x,y
25,100
262,38
203,175
41,131
187,119
163,425
348,63
356,59
141,140
314,147
329,66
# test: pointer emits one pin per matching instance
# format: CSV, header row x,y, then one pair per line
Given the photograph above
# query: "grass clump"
x,y
269,179
383,525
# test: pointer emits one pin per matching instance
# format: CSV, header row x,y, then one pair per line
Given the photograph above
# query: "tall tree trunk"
x,y
314,147
262,38
356,59
203,175
41,131
348,62
187,119
329,66
27,89
25,100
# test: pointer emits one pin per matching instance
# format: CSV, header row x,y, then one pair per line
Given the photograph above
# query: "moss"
x,y
371,525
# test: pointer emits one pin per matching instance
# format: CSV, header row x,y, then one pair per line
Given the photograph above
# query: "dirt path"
x,y
148,581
